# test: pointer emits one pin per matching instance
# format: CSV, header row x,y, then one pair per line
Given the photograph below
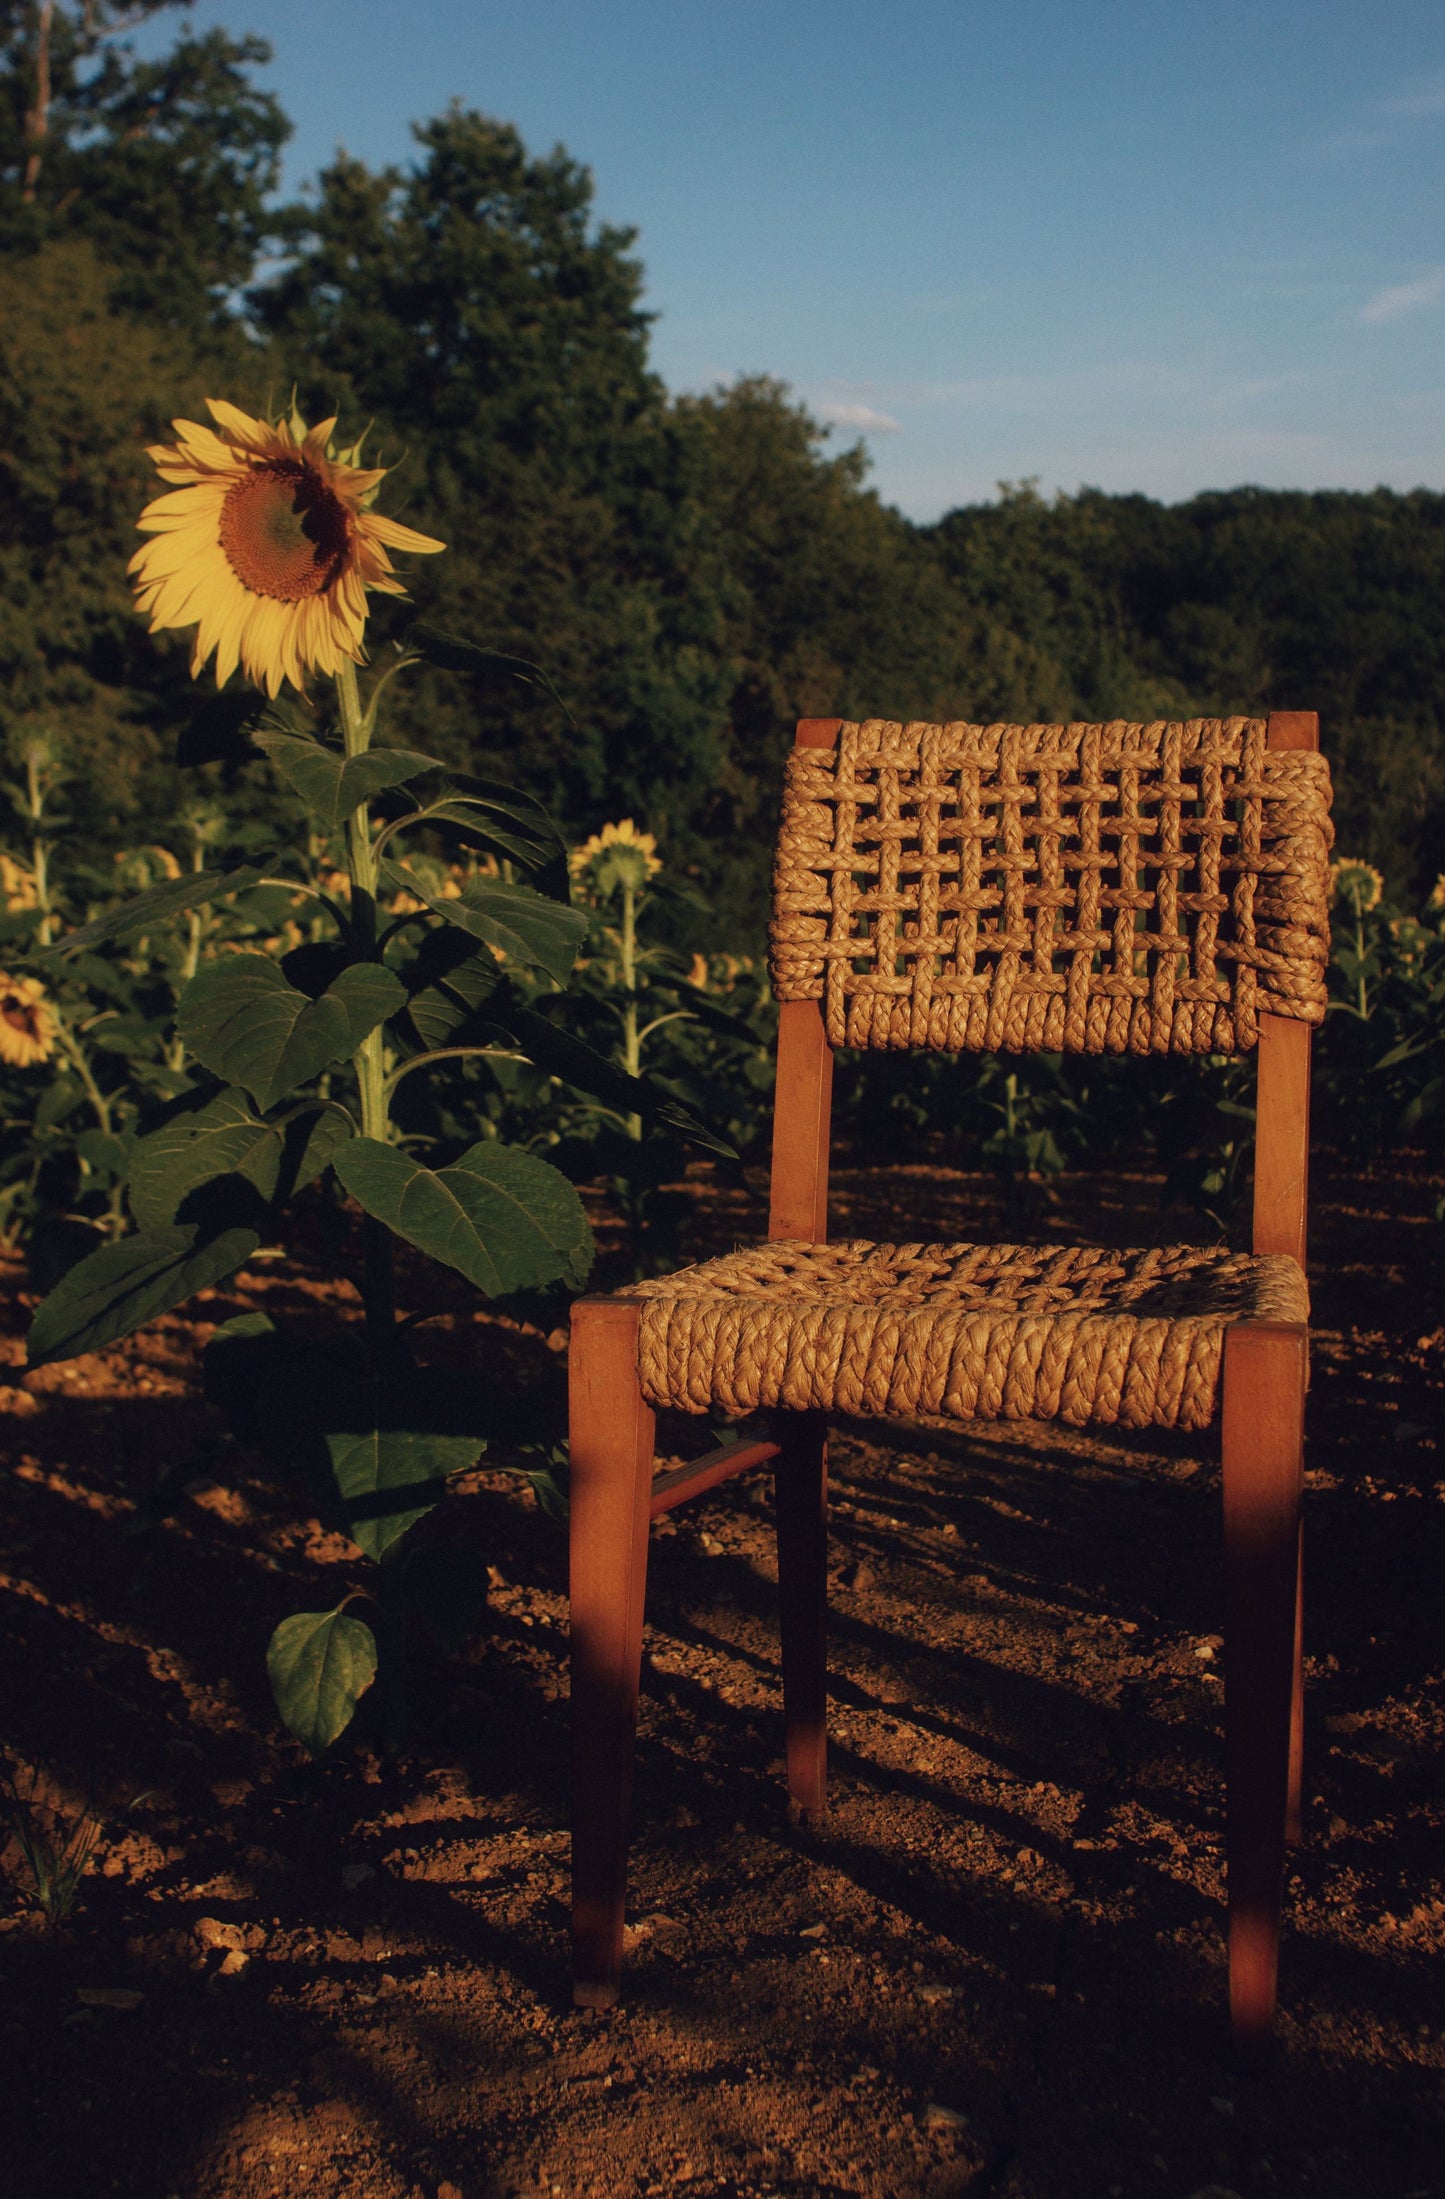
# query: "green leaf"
x,y
320,1664
448,982
454,653
156,906
222,1135
557,1051
1405,1051
489,814
500,1216
116,1290
241,1019
312,1144
333,786
524,925
373,1455
105,1154
389,1478
219,1138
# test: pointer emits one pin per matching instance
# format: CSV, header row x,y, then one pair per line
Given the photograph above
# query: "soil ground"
x,y
996,1967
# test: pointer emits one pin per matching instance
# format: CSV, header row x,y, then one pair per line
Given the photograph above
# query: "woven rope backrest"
x,y
1060,888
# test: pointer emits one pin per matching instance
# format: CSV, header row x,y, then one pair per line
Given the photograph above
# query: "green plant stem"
x,y
39,851
450,1053
100,1105
191,958
631,1043
369,1061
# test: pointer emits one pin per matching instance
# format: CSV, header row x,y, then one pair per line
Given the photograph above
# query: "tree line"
x,y
691,573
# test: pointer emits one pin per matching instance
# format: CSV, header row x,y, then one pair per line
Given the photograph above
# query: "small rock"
x,y
866,2073
123,1997
355,1874
814,1931
938,2117
937,1992
1220,2105
213,1932
449,2190
234,1963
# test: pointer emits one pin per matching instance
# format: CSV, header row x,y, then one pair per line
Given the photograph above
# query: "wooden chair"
x,y
1083,888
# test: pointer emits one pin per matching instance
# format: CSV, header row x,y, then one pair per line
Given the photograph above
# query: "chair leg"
x,y
1294,1808
1264,1386
802,1518
611,1489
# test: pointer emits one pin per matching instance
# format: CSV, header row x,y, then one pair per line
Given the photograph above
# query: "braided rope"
x,y
1060,888
997,1332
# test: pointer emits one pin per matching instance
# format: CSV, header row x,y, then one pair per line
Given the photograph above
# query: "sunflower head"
x,y
17,886
1360,884
267,544
618,855
27,1022
444,880
138,868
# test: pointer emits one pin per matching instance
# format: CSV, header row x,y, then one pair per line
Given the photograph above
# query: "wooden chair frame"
x,y
615,1497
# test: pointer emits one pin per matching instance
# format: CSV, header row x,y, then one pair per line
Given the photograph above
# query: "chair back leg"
x,y
802,1518
611,1495
1294,1818
1264,1386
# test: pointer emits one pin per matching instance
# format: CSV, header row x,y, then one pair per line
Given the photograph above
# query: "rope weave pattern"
x,y
1059,888
996,1332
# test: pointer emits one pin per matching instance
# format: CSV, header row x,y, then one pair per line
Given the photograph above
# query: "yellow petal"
x,y
239,427
399,537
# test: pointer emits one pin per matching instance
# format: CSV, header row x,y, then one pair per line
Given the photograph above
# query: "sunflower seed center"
x,y
285,532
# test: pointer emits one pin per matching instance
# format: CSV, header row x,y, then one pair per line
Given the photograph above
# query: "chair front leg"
x,y
611,1441
1264,1389
802,1520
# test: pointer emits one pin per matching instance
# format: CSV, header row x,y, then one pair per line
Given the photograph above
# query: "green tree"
x,y
1243,600
496,333
833,605
163,165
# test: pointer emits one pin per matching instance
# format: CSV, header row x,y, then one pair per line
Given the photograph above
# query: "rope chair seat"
x,y
1075,1333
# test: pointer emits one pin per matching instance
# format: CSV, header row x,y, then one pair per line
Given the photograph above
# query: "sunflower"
x,y
618,855
1358,883
266,545
27,1022
17,885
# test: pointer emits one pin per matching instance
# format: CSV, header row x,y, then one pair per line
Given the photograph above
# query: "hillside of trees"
x,y
691,572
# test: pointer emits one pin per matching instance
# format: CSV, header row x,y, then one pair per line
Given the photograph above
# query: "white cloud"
x,y
864,417
1402,298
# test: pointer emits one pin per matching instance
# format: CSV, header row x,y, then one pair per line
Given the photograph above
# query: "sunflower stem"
x,y
631,1044
378,1287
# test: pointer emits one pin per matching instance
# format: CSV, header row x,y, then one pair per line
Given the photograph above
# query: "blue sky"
x,y
1162,245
